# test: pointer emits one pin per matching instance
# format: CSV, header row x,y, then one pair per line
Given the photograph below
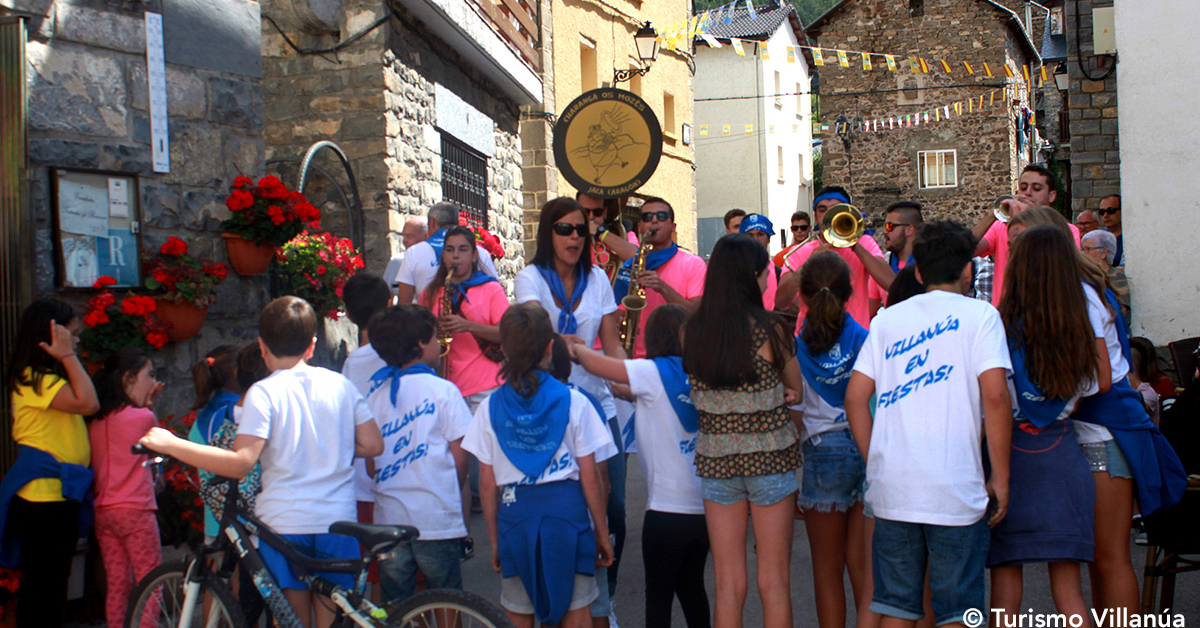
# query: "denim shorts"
x,y
955,555
761,490
834,473
439,561
1107,456
325,546
514,599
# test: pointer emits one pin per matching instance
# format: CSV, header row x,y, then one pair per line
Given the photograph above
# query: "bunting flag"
x,y
766,55
750,8
914,65
1008,71
703,129
937,115
749,127
992,99
866,60
968,67
791,54
795,128
891,62
1025,68
924,66
946,66
818,59
1044,77
771,129
843,60
715,43
987,70
958,108
737,47
970,105
725,129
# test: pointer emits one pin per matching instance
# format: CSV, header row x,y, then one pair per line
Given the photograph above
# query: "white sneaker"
x,y
612,613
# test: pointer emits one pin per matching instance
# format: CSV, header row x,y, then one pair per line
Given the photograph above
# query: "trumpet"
x,y
1001,211
843,225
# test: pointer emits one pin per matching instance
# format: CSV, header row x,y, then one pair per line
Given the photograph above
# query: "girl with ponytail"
x,y
831,493
217,391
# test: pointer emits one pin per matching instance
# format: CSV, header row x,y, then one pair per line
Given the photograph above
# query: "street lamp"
x,y
646,41
1061,77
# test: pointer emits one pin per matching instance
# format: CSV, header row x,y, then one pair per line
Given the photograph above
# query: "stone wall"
x,y
376,100
88,108
881,167
1095,149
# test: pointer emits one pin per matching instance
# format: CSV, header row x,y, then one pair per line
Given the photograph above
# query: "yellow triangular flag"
x,y
818,59
765,54
914,65
695,21
992,100
771,129
1044,77
1008,71
891,62
970,105
866,59
737,47
937,114
946,67
924,66
987,69
791,54
968,67
749,129
796,128
958,108
1025,69
843,60
671,43
725,129
703,129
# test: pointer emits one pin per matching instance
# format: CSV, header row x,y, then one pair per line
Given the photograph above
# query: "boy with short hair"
x,y
419,477
936,360
305,424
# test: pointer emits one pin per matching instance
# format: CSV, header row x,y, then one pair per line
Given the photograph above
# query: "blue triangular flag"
x,y
750,7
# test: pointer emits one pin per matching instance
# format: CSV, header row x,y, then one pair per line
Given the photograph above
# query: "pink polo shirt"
x,y
121,480
685,273
997,239
470,369
772,286
865,288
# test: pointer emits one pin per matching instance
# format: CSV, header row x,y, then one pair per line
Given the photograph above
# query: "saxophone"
x,y
635,301
446,305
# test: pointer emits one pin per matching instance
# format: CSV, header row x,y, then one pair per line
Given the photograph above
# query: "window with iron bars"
x,y
464,180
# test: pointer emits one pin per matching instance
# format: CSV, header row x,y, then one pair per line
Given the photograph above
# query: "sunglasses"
x,y
891,226
565,229
796,228
661,216
1106,212
596,212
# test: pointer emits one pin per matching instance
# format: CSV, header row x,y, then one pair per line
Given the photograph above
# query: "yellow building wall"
x,y
607,28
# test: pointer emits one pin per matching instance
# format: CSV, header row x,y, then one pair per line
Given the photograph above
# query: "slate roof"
x,y
1053,46
764,24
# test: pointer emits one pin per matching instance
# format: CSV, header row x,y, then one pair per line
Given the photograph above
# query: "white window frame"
x,y
938,157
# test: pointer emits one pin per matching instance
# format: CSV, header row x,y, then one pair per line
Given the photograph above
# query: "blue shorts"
x,y
320,546
834,473
955,555
761,490
1107,456
440,561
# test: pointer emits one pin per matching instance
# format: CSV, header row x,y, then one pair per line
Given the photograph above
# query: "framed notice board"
x,y
97,228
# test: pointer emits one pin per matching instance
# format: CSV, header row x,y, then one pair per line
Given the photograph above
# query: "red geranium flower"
x,y
156,339
239,200
174,246
103,281
95,317
242,182
138,306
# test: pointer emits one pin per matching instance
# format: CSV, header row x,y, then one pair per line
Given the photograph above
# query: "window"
x,y
937,169
587,65
800,96
464,180
916,8
778,89
779,163
669,129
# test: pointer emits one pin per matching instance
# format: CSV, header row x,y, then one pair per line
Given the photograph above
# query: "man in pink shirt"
x,y
759,227
671,276
1035,188
870,275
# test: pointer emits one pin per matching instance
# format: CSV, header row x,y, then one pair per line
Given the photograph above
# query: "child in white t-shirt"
x,y
305,424
418,478
536,441
936,361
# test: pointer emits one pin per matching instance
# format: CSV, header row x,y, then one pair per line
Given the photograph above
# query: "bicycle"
x,y
190,592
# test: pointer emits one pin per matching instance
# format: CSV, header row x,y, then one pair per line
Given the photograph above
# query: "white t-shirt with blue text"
x,y
416,480
586,434
359,366
667,453
308,417
926,355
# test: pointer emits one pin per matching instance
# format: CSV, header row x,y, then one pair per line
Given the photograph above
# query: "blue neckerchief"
x,y
1157,472
1119,321
1031,403
896,262
653,261
437,240
629,434
477,278
217,407
394,374
829,372
679,391
530,429
34,464
594,401
566,316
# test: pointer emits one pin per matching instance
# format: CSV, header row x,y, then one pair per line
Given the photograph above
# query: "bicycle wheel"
x,y
446,608
158,601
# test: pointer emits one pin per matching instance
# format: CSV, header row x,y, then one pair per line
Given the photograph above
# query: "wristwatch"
x,y
601,232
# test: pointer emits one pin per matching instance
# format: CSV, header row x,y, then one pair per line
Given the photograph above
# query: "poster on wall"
x,y
96,228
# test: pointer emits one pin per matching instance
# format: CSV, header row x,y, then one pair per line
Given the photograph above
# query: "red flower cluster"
x,y
267,213
315,267
138,306
111,326
174,246
103,282
10,579
180,277
488,240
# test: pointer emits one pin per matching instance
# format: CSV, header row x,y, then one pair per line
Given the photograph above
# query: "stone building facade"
x,y
88,101
1095,146
585,42
393,99
883,166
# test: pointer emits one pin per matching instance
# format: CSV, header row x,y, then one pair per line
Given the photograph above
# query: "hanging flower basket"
x,y
185,318
109,326
246,257
315,266
182,285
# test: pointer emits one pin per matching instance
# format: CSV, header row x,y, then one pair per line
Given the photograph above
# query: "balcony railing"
x,y
517,22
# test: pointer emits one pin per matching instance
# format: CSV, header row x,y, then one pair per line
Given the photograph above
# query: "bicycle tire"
x,y
157,601
465,610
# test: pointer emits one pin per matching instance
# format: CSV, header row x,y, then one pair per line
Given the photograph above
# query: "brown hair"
x,y
1089,270
1041,215
663,327
109,381
218,370
250,366
560,359
439,279
525,332
287,326
825,287
1044,309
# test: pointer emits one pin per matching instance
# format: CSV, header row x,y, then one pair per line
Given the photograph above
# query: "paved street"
x,y
478,576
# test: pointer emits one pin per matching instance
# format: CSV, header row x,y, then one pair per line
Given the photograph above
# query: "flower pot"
x,y
246,257
185,318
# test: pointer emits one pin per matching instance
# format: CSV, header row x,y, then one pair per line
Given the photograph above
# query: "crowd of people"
x,y
967,401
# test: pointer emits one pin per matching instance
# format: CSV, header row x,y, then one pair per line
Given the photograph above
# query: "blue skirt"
x,y
1051,500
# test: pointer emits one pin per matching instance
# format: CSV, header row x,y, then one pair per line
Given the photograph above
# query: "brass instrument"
x,y
843,225
635,301
1001,211
446,305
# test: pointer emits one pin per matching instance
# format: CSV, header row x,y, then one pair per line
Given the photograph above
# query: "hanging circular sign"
x,y
607,143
